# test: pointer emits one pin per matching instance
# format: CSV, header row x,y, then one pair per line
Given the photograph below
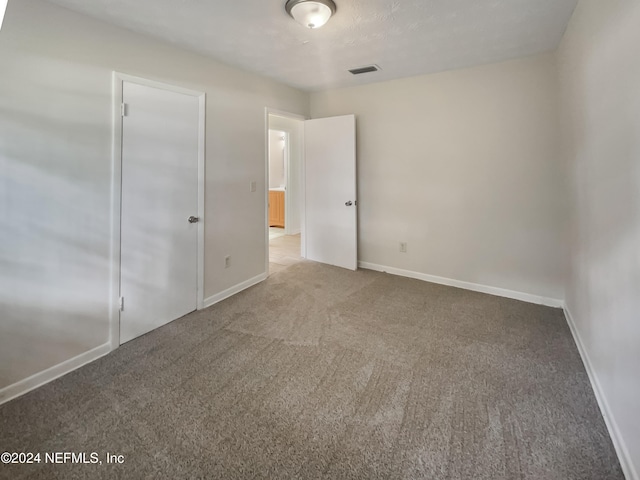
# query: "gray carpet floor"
x,y
323,373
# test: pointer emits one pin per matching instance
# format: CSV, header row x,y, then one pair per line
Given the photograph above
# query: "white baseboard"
x,y
500,292
34,381
218,297
23,386
614,432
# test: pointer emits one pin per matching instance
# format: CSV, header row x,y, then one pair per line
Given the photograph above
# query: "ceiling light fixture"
x,y
311,13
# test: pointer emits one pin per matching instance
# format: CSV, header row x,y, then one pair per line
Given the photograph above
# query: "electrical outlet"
x,y
403,247
227,261
253,186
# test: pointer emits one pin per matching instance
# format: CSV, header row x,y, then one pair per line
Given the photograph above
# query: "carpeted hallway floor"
x,y
319,372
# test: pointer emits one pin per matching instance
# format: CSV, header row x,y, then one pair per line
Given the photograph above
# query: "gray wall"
x,y
465,167
55,164
599,61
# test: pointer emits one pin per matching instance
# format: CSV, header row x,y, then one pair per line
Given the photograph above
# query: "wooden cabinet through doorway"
x,y
276,208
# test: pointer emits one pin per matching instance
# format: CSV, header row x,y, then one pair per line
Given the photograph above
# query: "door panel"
x,y
330,191
159,193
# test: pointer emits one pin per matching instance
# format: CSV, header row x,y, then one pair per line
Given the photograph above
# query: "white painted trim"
x,y
282,113
266,190
3,10
218,297
303,194
614,432
116,193
287,183
116,201
34,381
500,292
156,84
202,101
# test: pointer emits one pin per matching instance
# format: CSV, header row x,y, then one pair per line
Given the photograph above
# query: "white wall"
x,y
55,174
276,159
599,63
464,167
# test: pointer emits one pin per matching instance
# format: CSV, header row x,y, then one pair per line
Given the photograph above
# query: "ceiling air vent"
x,y
370,68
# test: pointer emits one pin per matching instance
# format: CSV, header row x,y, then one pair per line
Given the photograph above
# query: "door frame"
x,y
287,181
116,194
293,116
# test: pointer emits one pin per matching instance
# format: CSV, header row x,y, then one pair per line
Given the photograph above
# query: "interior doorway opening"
x,y
285,207
278,163
320,193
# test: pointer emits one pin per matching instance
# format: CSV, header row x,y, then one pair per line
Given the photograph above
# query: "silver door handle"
x,y
349,203
193,219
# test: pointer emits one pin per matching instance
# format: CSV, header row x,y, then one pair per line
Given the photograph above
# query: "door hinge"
x,y
123,109
121,304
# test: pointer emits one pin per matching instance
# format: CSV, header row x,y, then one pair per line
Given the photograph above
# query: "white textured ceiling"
x,y
403,37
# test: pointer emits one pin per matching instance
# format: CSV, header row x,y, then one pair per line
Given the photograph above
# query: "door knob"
x,y
193,219
349,203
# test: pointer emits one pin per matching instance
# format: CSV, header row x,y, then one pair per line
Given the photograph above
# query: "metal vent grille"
x,y
361,70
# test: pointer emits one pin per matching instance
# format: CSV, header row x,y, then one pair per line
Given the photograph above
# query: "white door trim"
x,y
287,183
281,113
116,194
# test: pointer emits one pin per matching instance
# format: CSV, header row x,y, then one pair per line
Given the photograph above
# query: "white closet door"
x,y
159,194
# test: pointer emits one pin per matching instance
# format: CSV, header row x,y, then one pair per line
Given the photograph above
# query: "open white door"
x,y
331,220
159,240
